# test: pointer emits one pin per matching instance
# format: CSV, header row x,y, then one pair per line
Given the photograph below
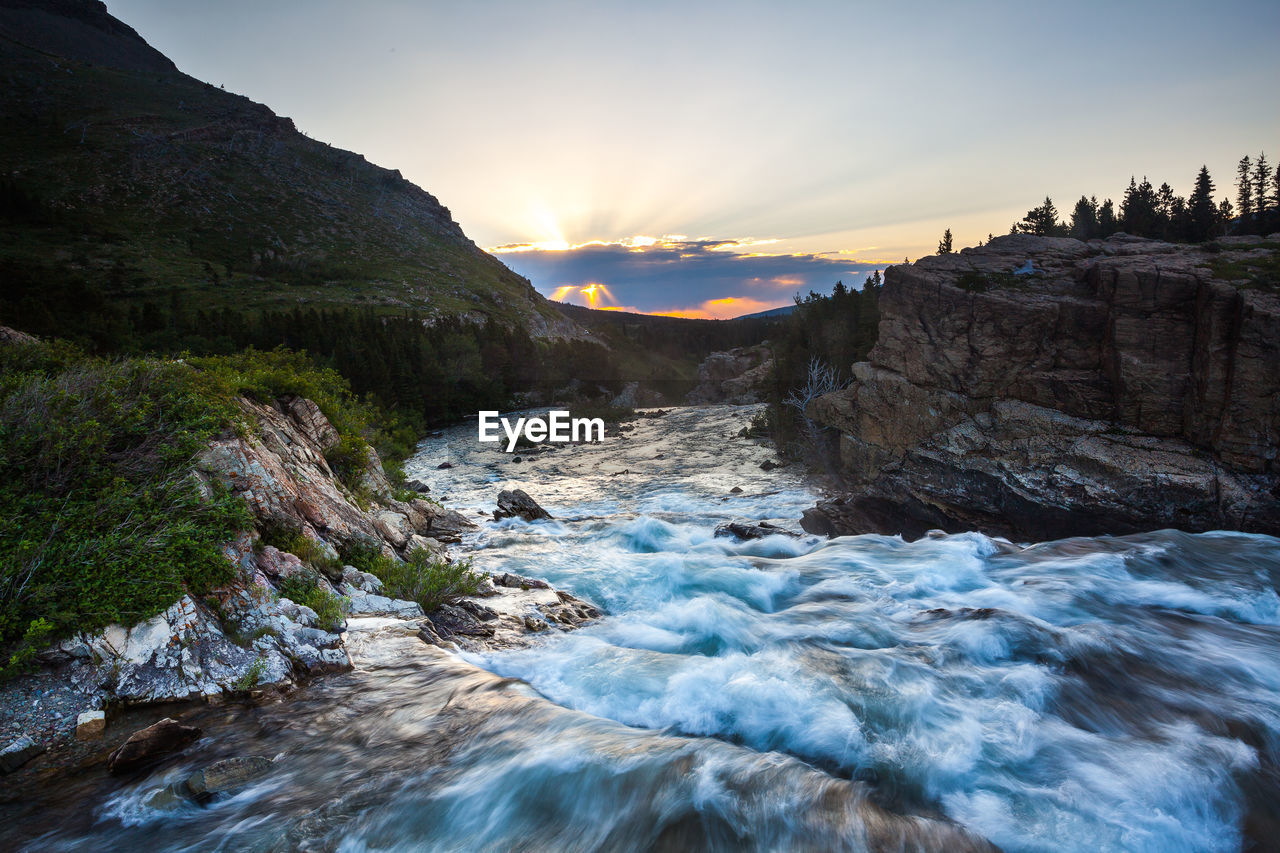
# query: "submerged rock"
x,y
227,775
515,502
151,744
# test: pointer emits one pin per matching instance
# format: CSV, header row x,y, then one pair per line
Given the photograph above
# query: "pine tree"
x,y
1139,212
1041,221
1107,224
1203,213
1261,178
944,245
1084,219
1244,189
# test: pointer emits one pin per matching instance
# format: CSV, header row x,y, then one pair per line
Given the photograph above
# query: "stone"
x,y
753,530
736,490
444,466
417,486
519,581
769,465
514,503
151,744
1120,388
227,775
19,752
91,725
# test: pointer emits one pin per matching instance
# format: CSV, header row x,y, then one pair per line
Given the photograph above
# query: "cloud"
x,y
676,275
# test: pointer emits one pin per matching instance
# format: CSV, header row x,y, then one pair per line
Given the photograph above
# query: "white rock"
x,y
91,724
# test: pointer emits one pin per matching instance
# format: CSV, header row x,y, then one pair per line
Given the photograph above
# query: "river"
x,y
784,693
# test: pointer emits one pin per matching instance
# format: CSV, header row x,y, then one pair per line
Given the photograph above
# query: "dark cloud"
x,y
684,275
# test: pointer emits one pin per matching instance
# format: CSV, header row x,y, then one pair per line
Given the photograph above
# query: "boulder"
x,y
151,744
753,530
21,750
227,775
516,503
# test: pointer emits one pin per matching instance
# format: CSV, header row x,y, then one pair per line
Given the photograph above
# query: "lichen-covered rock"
x,y
1122,387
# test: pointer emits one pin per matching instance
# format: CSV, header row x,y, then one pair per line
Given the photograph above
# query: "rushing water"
x,y
785,693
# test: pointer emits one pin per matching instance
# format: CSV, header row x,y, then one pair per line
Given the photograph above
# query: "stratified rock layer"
x,y
1125,385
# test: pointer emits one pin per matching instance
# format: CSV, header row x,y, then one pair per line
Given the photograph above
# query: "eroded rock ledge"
x,y
1125,385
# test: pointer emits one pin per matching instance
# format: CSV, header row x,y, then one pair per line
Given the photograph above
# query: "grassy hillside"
x,y
126,181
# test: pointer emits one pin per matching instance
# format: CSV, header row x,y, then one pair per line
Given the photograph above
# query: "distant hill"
x,y
127,180
772,312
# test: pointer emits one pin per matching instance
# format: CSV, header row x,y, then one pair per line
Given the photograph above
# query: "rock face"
x,y
734,377
1125,385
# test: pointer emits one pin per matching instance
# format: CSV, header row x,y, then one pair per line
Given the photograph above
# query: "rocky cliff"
x,y
1043,387
735,376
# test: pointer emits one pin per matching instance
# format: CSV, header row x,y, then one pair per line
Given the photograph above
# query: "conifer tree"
x,y
1107,224
944,245
1261,180
1084,219
1244,188
1201,209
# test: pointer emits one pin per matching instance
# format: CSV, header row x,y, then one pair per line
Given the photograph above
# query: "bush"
x,y
422,578
301,546
330,609
100,520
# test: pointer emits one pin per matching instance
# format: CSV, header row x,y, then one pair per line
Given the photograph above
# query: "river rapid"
x,y
786,693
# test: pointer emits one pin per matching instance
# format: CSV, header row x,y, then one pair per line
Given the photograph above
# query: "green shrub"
x,y
422,578
330,609
100,520
251,676
301,546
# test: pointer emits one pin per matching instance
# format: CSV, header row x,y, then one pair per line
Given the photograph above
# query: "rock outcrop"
x,y
1125,385
735,377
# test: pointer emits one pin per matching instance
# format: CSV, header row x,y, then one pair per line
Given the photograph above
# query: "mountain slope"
x,y
128,180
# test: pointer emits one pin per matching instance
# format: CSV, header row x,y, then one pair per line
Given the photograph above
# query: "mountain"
x,y
772,312
129,182
1125,385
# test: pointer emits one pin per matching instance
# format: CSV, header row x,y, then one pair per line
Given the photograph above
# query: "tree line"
x,y
1158,213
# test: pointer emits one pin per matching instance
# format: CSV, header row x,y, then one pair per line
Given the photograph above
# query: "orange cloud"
x,y
725,308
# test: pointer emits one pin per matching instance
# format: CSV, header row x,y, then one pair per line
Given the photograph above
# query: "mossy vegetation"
x,y
307,590
1255,271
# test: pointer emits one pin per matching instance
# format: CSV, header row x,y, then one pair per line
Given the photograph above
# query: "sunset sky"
x,y
714,158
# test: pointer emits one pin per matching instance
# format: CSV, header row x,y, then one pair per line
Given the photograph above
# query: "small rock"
x,y
516,459
90,725
152,743
533,623
736,490
417,485
769,465
228,774
19,753
444,466
515,502
519,582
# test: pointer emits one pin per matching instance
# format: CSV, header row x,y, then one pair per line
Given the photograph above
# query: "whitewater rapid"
x,y
787,693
